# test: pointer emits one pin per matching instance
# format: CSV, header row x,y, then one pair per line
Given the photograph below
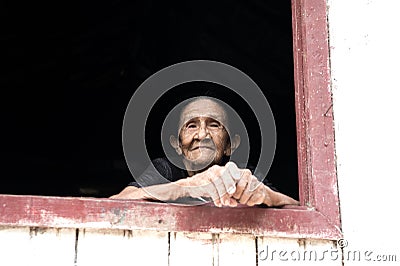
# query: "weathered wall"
x,y
49,246
365,60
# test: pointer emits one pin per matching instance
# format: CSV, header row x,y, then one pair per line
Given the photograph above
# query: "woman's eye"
x,y
191,126
214,125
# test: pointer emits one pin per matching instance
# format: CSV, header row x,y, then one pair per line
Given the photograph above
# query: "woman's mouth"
x,y
203,147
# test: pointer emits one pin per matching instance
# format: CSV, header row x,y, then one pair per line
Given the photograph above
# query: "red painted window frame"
x,y
318,217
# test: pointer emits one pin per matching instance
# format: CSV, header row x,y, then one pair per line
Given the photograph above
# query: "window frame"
x,y
319,213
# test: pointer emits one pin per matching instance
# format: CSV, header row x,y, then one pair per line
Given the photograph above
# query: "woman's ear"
x,y
175,144
235,142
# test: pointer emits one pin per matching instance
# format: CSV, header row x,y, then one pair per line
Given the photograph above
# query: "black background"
x,y
69,71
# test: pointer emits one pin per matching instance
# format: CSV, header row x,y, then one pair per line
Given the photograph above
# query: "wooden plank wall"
x,y
89,247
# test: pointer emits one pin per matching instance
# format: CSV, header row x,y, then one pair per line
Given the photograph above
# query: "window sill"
x,y
69,212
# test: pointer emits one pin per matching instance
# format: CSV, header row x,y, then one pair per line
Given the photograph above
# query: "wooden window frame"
x,y
317,217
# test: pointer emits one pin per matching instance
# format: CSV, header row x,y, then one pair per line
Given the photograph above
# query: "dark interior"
x,y
70,71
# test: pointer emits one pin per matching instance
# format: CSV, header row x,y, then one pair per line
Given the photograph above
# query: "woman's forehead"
x,y
203,108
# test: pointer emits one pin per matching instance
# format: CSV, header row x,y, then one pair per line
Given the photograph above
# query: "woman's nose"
x,y
203,132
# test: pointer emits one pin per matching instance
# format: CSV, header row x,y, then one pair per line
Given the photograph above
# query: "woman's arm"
x,y
216,183
162,192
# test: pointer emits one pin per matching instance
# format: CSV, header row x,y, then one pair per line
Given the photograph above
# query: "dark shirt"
x,y
161,171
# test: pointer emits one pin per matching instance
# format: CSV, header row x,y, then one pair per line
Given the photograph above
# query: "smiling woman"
x,y
203,146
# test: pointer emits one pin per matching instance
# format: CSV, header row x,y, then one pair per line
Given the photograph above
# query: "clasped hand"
x,y
229,185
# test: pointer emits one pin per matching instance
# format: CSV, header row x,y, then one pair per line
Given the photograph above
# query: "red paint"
x,y
317,172
38,211
315,128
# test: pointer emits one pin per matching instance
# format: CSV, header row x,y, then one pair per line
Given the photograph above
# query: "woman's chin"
x,y
201,163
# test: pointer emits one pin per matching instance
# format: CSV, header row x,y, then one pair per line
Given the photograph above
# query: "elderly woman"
x,y
203,144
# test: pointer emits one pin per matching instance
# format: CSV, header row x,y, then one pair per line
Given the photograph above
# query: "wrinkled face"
x,y
203,137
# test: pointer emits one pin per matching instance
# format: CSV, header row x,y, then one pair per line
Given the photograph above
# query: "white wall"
x,y
94,247
365,64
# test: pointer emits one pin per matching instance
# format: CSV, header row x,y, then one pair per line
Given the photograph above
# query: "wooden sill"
x,y
69,212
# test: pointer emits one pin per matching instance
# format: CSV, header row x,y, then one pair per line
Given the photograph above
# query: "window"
x,y
317,217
